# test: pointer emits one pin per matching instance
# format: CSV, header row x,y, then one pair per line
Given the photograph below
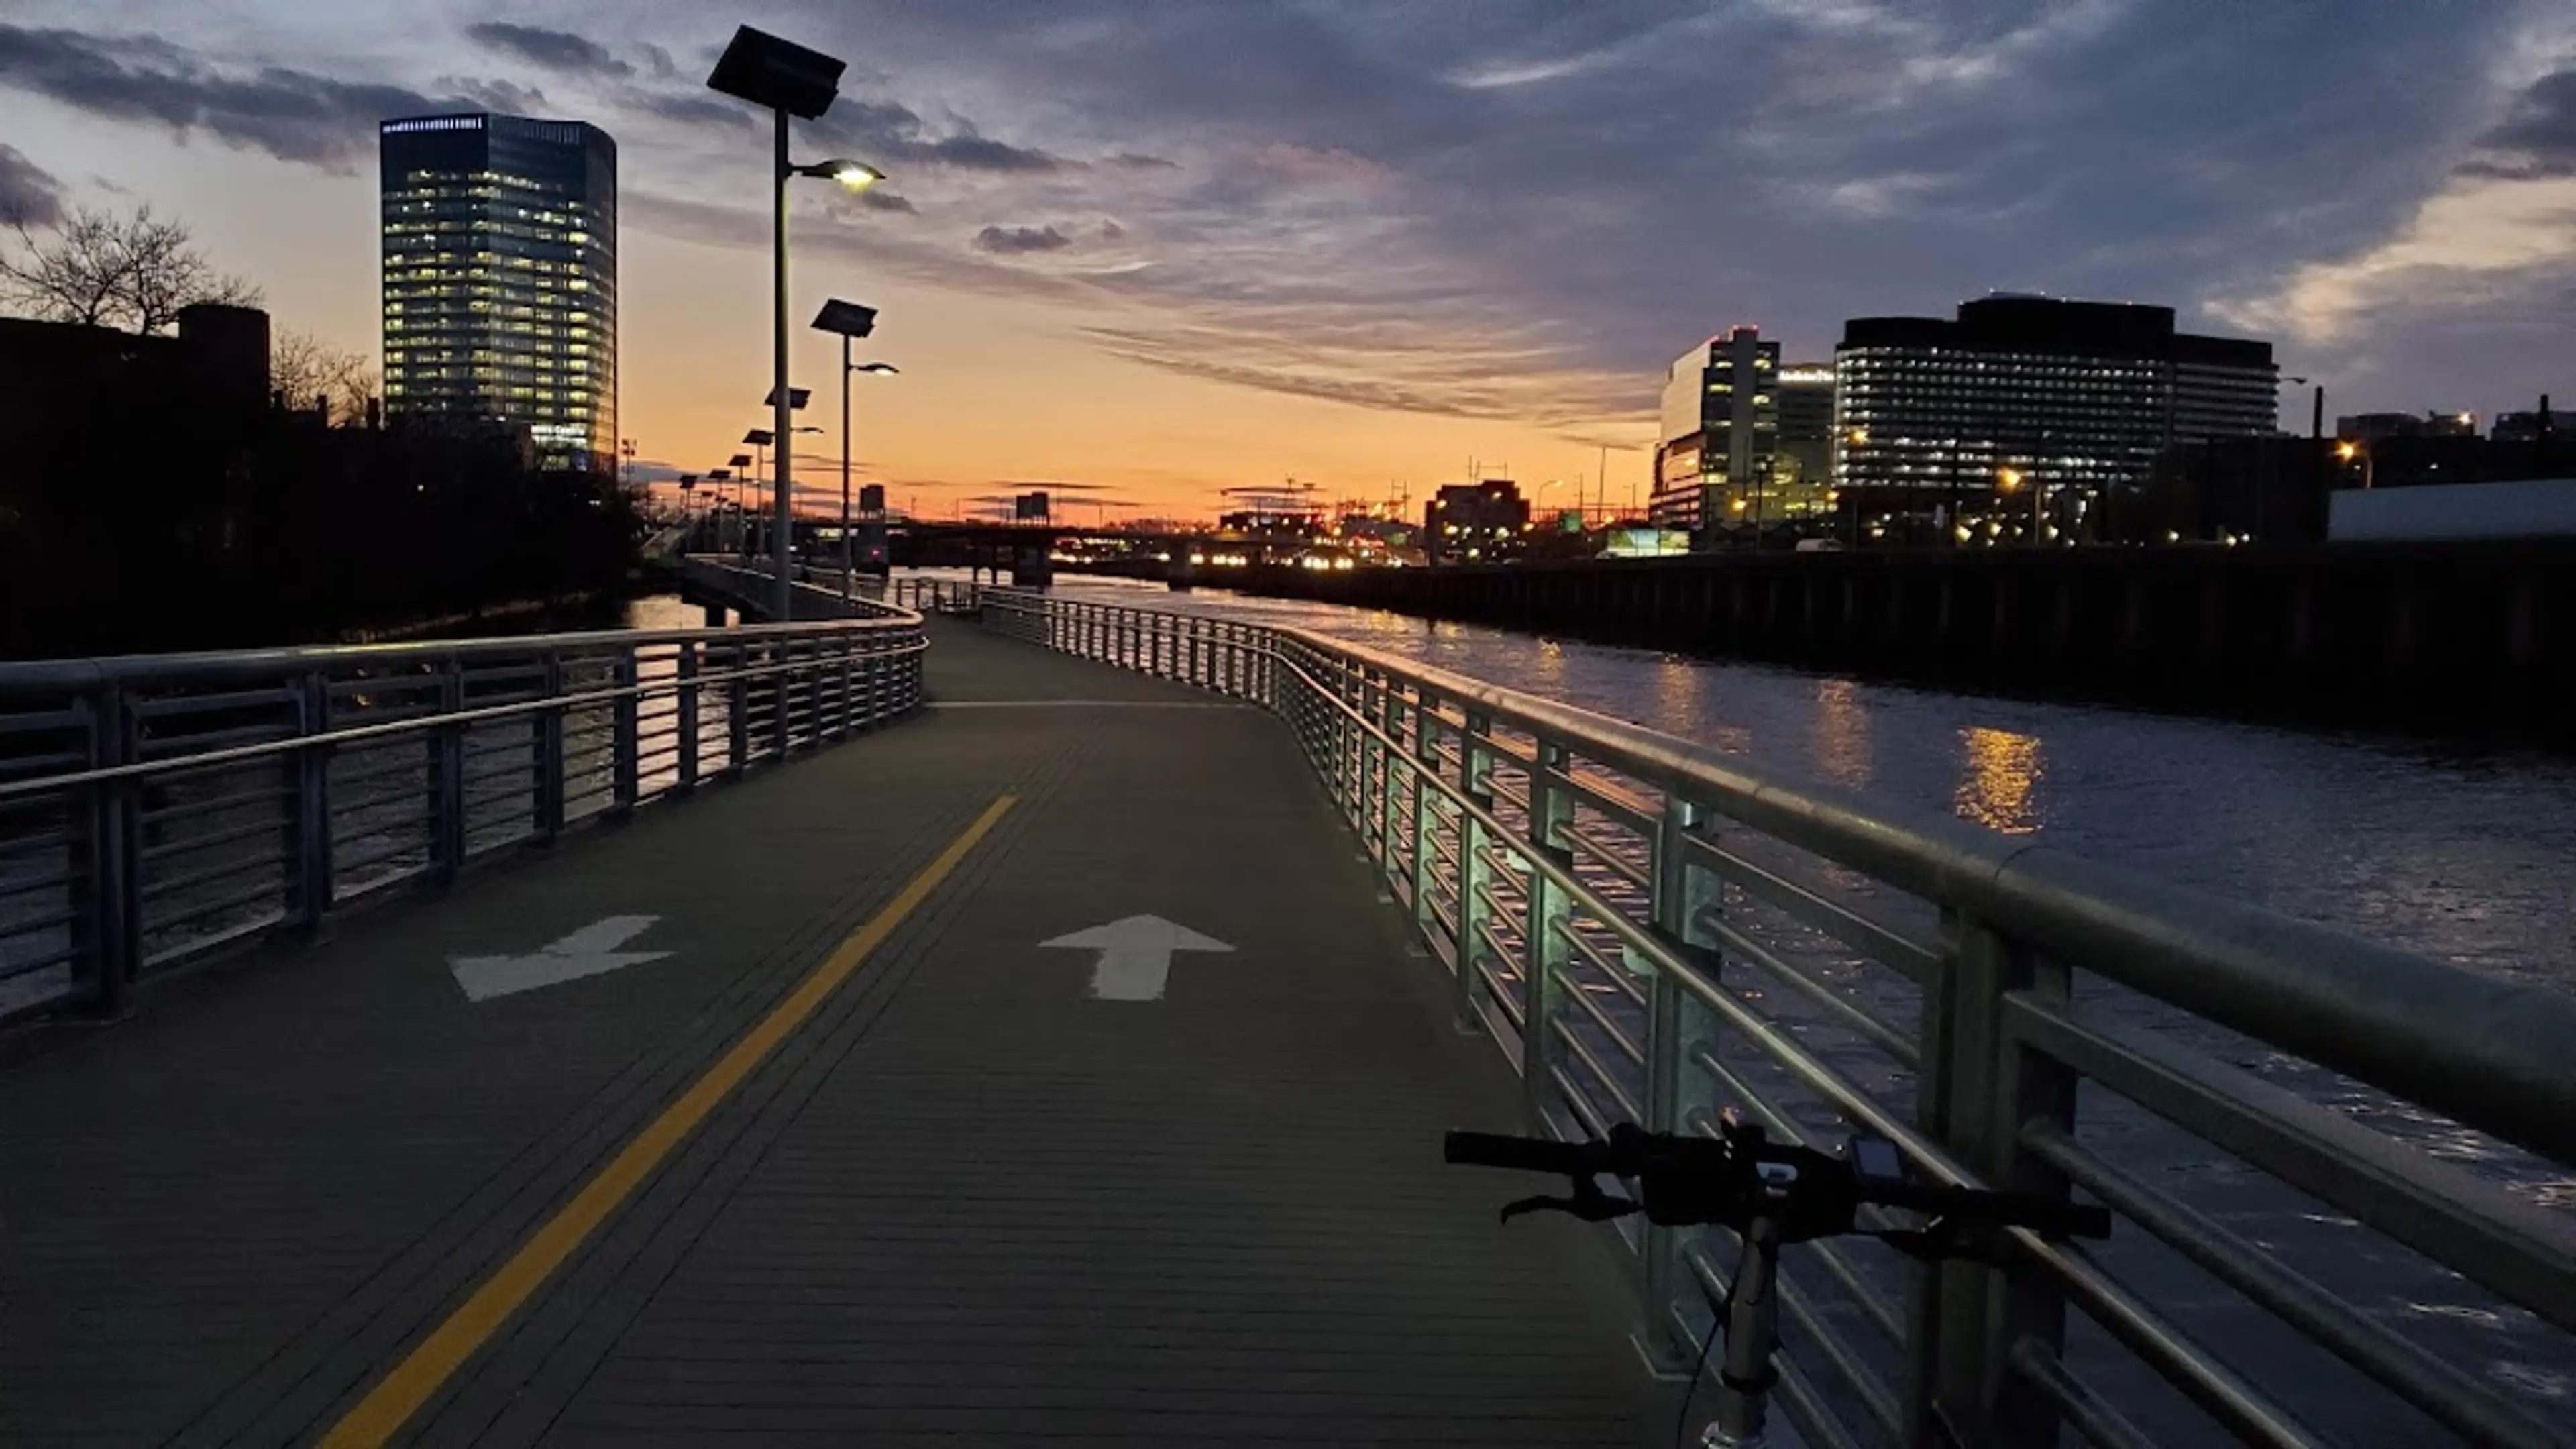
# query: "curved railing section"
x,y
154,809
2330,1158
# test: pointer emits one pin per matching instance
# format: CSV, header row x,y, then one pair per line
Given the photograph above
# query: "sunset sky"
x,y
1161,249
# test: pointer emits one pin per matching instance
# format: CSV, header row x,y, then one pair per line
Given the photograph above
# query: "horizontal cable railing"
x,y
819,590
156,808
2332,1160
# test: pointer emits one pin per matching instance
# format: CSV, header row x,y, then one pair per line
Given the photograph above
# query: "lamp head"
x,y
856,175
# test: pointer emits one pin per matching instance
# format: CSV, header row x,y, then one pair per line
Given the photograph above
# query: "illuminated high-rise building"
x,y
500,278
1721,431
2022,405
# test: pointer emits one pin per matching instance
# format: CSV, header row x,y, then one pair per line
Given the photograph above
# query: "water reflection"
x,y
1841,736
1676,698
2003,771
1547,670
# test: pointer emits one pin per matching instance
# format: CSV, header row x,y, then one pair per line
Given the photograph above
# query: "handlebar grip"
x,y
1527,1154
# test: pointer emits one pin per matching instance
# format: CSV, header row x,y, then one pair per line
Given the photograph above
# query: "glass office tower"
x,y
500,278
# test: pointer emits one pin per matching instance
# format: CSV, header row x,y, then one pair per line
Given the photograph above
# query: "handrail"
x,y
2497,1049
31,676
167,806
1565,869
412,724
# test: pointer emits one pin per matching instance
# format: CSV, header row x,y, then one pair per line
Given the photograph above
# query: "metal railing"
x,y
1649,930
951,597
157,808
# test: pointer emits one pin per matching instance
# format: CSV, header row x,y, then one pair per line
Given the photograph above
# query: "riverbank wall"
x,y
2475,639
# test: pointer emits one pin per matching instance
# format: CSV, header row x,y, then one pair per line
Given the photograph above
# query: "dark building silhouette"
x,y
2530,427
500,278
2368,427
1475,522
2275,489
155,495
90,417
2251,490
49,369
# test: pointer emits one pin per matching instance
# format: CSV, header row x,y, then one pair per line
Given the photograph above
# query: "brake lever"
x,y
1589,1203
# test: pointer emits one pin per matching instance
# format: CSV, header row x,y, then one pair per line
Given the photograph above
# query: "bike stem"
x,y
1752,1327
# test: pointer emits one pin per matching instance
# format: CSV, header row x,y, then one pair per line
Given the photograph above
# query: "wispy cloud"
x,y
1017,240
291,114
555,50
2504,218
893,134
29,194
1523,217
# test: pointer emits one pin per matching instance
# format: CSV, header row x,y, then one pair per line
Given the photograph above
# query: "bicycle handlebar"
x,y
1728,1180
1529,1154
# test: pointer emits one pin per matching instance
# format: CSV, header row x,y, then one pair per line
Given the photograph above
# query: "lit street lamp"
x,y
848,320
789,80
2007,480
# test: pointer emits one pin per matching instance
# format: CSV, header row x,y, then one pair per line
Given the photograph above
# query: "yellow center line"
x,y
398,1395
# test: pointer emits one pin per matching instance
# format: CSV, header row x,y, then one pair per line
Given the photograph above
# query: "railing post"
x,y
1350,686
1979,1092
1390,722
549,745
1422,852
1550,916
447,764
116,899
1475,873
1675,1023
626,745
783,690
846,644
312,774
738,710
1367,686
685,714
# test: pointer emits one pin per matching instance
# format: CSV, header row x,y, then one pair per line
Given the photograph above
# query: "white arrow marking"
x,y
1135,955
589,951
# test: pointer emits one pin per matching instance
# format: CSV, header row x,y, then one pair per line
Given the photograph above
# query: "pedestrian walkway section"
x,y
1042,1069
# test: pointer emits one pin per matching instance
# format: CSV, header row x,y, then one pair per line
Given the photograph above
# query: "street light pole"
x,y
845,467
783,593
784,79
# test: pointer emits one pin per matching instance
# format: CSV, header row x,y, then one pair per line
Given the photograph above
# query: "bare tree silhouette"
x,y
134,271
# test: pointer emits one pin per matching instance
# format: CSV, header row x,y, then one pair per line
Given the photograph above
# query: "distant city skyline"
x,y
1168,250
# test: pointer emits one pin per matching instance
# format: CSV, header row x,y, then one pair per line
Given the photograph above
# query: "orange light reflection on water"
x,y
1841,741
2002,777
